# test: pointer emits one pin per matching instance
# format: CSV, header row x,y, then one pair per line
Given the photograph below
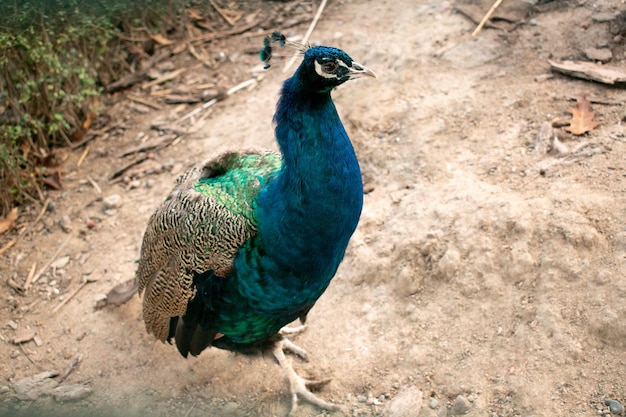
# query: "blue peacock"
x,y
248,241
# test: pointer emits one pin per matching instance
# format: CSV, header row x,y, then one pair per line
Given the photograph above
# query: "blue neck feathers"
x,y
308,213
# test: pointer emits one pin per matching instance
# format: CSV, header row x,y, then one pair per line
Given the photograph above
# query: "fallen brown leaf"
x,y
582,117
161,40
8,222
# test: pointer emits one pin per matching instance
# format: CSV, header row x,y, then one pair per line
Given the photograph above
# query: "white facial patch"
x,y
320,71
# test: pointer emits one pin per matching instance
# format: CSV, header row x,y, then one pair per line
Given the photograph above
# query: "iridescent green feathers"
x,y
235,189
200,227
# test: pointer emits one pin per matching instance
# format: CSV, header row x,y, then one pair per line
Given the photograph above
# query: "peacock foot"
x,y
300,387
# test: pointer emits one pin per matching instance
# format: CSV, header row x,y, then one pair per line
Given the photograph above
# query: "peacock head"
x,y
324,68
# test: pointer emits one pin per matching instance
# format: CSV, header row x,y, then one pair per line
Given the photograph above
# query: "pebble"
x,y
111,202
60,262
407,403
599,54
533,22
66,224
433,403
361,398
460,406
614,406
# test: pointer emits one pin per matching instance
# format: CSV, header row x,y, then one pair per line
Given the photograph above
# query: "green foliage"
x,y
52,54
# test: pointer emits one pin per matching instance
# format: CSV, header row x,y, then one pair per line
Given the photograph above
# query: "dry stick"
x,y
72,294
94,184
83,156
486,18
8,246
52,259
307,35
29,278
215,100
222,13
145,102
76,359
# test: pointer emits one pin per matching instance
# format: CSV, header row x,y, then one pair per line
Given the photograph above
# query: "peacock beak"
x,y
357,70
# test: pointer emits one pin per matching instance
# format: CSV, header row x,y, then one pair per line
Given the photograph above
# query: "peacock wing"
x,y
199,227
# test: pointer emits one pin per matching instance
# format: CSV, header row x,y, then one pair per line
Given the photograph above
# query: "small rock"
x,y
12,324
406,403
66,224
433,403
460,406
23,336
604,17
599,54
133,184
361,398
38,340
230,407
614,406
113,201
60,263
533,22
4,389
72,392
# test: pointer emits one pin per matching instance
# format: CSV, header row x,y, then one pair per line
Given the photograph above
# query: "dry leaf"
x,y
8,222
582,117
161,40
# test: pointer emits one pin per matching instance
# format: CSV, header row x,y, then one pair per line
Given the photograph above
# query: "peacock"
x,y
248,241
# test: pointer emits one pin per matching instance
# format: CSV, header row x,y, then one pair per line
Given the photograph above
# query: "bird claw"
x,y
298,386
295,349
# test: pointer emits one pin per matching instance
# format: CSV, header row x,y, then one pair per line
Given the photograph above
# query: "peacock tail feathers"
x,y
200,227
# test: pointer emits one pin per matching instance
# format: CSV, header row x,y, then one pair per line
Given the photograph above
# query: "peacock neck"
x,y
307,215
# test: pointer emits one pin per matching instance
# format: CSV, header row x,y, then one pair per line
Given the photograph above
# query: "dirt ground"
x,y
488,272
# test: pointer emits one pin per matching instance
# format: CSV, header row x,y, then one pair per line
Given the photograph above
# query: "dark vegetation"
x,y
56,59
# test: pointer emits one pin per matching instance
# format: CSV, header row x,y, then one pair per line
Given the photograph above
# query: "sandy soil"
x,y
486,274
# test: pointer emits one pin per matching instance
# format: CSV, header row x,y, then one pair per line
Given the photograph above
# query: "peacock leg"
x,y
292,330
298,385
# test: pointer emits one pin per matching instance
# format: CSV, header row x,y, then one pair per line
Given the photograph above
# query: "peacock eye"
x,y
329,67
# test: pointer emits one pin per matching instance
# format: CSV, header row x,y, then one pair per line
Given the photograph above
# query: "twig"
x,y
17,287
171,76
231,21
307,35
118,174
143,101
52,259
72,294
486,17
8,246
94,184
83,156
29,278
76,360
28,356
216,99
191,408
226,33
